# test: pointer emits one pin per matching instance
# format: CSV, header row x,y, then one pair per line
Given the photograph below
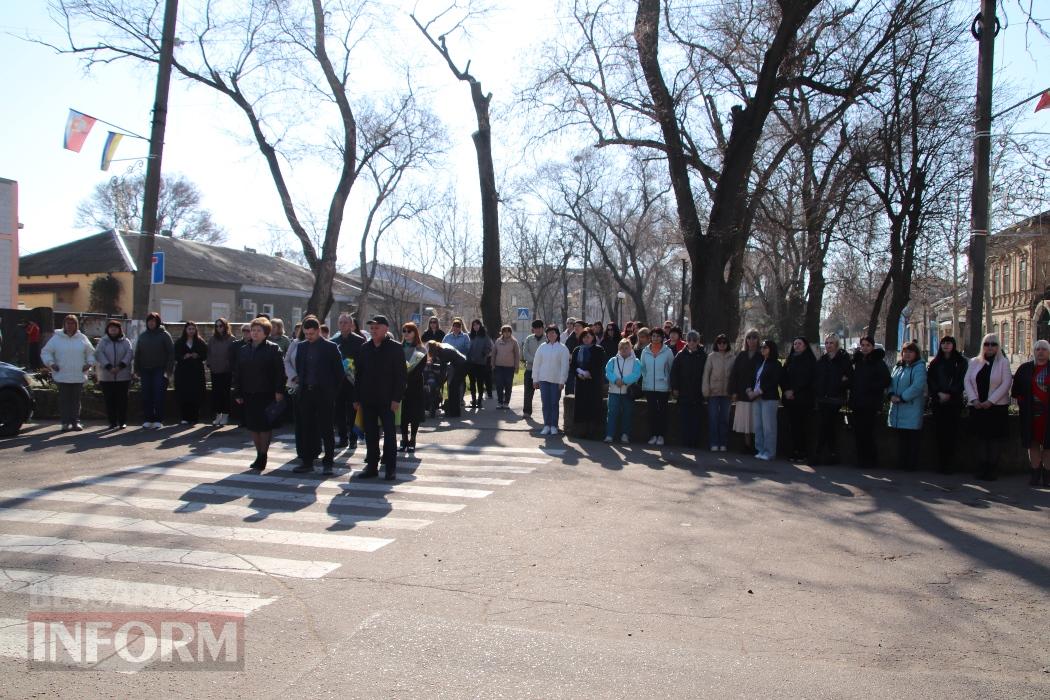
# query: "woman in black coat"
x,y
433,331
413,407
1031,388
944,378
588,365
746,364
867,393
796,381
190,354
259,381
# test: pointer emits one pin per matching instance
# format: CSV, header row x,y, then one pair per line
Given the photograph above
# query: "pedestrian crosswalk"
x,y
179,535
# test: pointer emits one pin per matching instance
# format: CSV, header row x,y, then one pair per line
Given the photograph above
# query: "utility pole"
x,y
151,197
984,28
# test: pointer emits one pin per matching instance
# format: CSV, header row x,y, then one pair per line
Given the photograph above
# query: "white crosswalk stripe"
x,y
187,558
128,593
196,500
176,506
354,543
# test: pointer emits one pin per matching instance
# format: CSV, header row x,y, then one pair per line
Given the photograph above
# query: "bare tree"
x,y
456,254
536,257
117,204
491,268
284,65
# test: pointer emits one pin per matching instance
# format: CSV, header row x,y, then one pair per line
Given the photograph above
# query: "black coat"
x,y
329,371
769,382
349,344
588,402
449,355
429,335
259,370
798,376
189,371
413,408
831,378
1022,391
946,376
687,375
871,376
743,374
381,373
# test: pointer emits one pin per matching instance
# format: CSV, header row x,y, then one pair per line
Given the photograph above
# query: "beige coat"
x,y
506,353
717,370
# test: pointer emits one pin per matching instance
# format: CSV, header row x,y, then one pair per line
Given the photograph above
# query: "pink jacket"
x,y
998,383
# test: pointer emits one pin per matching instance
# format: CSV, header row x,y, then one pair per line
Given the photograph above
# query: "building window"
x,y
1022,341
220,311
995,331
1006,278
1004,340
995,281
1022,274
268,310
297,314
171,310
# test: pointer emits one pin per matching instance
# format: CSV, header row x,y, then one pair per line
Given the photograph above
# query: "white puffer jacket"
x,y
71,353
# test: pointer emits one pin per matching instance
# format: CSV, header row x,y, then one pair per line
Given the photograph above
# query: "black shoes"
x,y
342,442
327,463
390,475
258,465
369,473
305,467
1039,478
403,446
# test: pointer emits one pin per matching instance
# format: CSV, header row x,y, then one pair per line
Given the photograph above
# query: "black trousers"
x,y
480,381
454,395
798,414
345,413
529,391
220,392
116,397
373,416
863,422
314,406
946,427
908,449
656,404
829,418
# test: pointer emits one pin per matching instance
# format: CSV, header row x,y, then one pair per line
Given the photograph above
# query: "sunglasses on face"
x,y
991,345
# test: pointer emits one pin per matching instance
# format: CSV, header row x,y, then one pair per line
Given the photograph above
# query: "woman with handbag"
x,y
113,359
258,387
623,371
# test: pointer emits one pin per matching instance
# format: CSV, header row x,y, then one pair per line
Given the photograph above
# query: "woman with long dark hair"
x,y
220,351
1031,387
113,360
479,358
764,394
258,382
433,331
945,378
190,353
154,359
796,381
412,405
588,364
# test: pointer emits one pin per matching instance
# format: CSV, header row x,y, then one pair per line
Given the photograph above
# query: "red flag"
x,y
78,126
1044,101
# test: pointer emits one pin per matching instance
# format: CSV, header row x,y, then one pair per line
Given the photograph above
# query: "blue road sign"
x,y
158,268
523,313
416,319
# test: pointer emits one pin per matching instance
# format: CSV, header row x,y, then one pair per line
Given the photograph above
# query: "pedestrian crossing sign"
x,y
523,313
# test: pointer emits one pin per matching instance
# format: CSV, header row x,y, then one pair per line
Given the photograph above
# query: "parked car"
x,y
16,399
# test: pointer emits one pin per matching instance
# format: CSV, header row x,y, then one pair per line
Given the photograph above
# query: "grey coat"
x,y
220,354
113,359
155,350
480,350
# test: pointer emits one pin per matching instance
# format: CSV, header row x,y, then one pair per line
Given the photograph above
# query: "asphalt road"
x,y
506,565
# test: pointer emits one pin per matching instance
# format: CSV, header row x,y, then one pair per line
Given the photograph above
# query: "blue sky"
x,y
201,143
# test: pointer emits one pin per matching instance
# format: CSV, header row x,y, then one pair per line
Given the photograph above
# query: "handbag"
x,y
634,390
275,413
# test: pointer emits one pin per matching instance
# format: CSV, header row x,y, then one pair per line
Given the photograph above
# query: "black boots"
x,y
1040,477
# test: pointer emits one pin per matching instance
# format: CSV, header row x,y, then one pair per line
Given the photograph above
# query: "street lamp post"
x,y
620,296
684,257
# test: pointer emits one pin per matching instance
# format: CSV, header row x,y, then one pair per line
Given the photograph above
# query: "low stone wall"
x,y
1012,458
93,405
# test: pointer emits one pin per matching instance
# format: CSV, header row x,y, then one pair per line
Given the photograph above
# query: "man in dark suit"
x,y
320,370
381,376
349,343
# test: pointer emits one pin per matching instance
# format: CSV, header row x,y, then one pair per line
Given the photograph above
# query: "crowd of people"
x,y
371,384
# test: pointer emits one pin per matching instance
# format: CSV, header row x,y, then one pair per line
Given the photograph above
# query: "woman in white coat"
x,y
69,355
550,367
113,360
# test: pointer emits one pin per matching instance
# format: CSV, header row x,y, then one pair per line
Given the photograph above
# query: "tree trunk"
x,y
491,269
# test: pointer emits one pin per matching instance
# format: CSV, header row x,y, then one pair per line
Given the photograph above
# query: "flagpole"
x,y
126,132
1024,101
144,274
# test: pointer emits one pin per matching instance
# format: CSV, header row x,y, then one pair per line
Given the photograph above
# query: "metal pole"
x,y
984,28
151,196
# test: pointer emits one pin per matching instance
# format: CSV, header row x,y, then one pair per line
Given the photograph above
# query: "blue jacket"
x,y
460,342
628,369
656,369
909,383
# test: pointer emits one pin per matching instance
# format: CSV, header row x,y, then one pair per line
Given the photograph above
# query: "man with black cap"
x,y
381,376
